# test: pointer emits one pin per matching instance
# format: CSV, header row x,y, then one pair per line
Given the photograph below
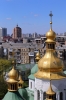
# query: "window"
x,y
31,85
51,97
13,86
44,95
19,85
51,46
38,95
61,95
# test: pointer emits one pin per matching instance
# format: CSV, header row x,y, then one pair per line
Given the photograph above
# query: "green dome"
x,y
13,96
34,69
23,93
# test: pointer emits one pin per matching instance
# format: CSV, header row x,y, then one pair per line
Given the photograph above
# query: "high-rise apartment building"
x,y
17,32
3,32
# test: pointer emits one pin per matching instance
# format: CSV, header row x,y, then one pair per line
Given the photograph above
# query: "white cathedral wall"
x,y
57,85
31,84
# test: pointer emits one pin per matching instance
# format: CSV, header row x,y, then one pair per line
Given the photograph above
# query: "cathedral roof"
x,y
34,69
23,93
13,96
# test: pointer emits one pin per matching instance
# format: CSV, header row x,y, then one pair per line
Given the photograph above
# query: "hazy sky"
x,y
33,15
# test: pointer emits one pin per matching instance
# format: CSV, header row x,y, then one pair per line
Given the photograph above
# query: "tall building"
x,y
17,33
3,32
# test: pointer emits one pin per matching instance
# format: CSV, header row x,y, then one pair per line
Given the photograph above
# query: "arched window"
x,y
13,86
19,85
38,95
44,95
54,96
61,95
51,46
31,85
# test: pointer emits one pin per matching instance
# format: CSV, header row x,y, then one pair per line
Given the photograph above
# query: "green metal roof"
x,y
23,93
28,90
30,94
34,69
31,76
13,96
31,98
24,67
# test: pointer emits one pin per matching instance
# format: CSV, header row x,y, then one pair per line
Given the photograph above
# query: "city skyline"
x,y
33,15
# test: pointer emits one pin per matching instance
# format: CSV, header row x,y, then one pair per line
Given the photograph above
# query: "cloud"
x,y
36,15
8,18
24,16
31,12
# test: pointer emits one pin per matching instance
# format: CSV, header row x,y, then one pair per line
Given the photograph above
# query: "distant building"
x,y
1,51
3,32
35,35
17,33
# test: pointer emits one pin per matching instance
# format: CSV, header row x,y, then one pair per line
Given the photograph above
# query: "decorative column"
x,y
41,95
58,95
35,94
64,94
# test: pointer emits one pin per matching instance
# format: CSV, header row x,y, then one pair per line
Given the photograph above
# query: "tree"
x,y
4,65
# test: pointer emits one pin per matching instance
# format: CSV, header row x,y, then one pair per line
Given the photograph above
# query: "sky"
x,y
33,15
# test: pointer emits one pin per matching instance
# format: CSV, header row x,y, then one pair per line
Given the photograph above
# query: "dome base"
x,y
50,75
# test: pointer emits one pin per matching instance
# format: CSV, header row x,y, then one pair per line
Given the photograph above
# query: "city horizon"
x,y
32,16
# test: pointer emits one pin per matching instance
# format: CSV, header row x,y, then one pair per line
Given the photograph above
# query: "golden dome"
x,y
13,74
51,34
37,57
50,91
50,62
20,80
50,66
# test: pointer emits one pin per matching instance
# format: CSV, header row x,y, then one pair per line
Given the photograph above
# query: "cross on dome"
x,y
51,19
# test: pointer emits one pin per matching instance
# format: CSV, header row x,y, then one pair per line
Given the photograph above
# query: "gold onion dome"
x,y
37,57
50,63
13,74
50,35
20,80
50,91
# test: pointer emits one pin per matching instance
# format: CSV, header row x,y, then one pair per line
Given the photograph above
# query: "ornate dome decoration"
x,y
50,90
20,83
50,94
37,57
50,63
13,78
35,68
